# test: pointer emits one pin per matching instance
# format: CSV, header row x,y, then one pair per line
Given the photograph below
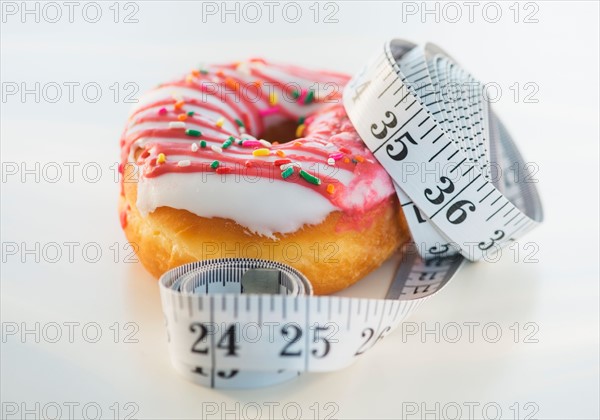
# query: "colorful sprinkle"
x,y
261,152
214,164
239,122
336,156
280,162
291,165
220,122
183,163
287,172
295,94
330,162
162,111
346,160
359,158
301,120
224,170
194,147
248,163
216,149
310,96
203,71
330,188
300,130
265,143
176,124
297,144
251,143
280,153
227,142
182,117
232,84
273,98
203,144
193,133
161,158
179,104
344,150
190,113
310,178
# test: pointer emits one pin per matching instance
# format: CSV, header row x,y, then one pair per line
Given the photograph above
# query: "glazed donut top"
x,y
194,144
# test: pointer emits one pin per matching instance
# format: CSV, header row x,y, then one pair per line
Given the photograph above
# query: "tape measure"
x,y
241,323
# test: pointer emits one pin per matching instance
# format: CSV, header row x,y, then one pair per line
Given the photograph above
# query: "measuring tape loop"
x,y
239,323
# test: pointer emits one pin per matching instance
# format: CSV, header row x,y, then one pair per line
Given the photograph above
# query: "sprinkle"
x,y
232,84
295,94
354,161
220,122
346,160
280,153
239,122
216,149
189,78
280,162
359,158
251,143
309,97
265,143
301,120
239,142
330,162
161,158
344,150
248,163
224,170
190,113
330,188
194,147
196,72
214,164
247,137
257,83
273,98
300,130
193,133
203,71
291,165
183,163
261,152
179,104
336,156
287,173
227,143
182,117
297,144
269,111
310,178
220,73
162,111
202,144
176,124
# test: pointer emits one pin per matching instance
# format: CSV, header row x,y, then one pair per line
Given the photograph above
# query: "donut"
x,y
255,159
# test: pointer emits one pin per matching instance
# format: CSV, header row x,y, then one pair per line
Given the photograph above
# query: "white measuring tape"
x,y
239,323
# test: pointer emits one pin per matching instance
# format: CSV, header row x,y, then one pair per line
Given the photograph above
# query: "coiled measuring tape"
x,y
241,323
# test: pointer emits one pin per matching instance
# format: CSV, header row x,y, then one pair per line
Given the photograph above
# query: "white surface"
x,y
558,374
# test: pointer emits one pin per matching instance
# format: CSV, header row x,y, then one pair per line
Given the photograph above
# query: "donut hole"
x,y
281,132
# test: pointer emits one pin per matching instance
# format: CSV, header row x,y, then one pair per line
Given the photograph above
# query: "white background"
x,y
556,377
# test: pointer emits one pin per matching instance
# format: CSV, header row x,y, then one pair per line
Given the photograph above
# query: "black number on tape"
x,y
403,152
367,332
295,337
227,342
380,134
458,208
317,338
449,188
226,375
197,326
499,235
